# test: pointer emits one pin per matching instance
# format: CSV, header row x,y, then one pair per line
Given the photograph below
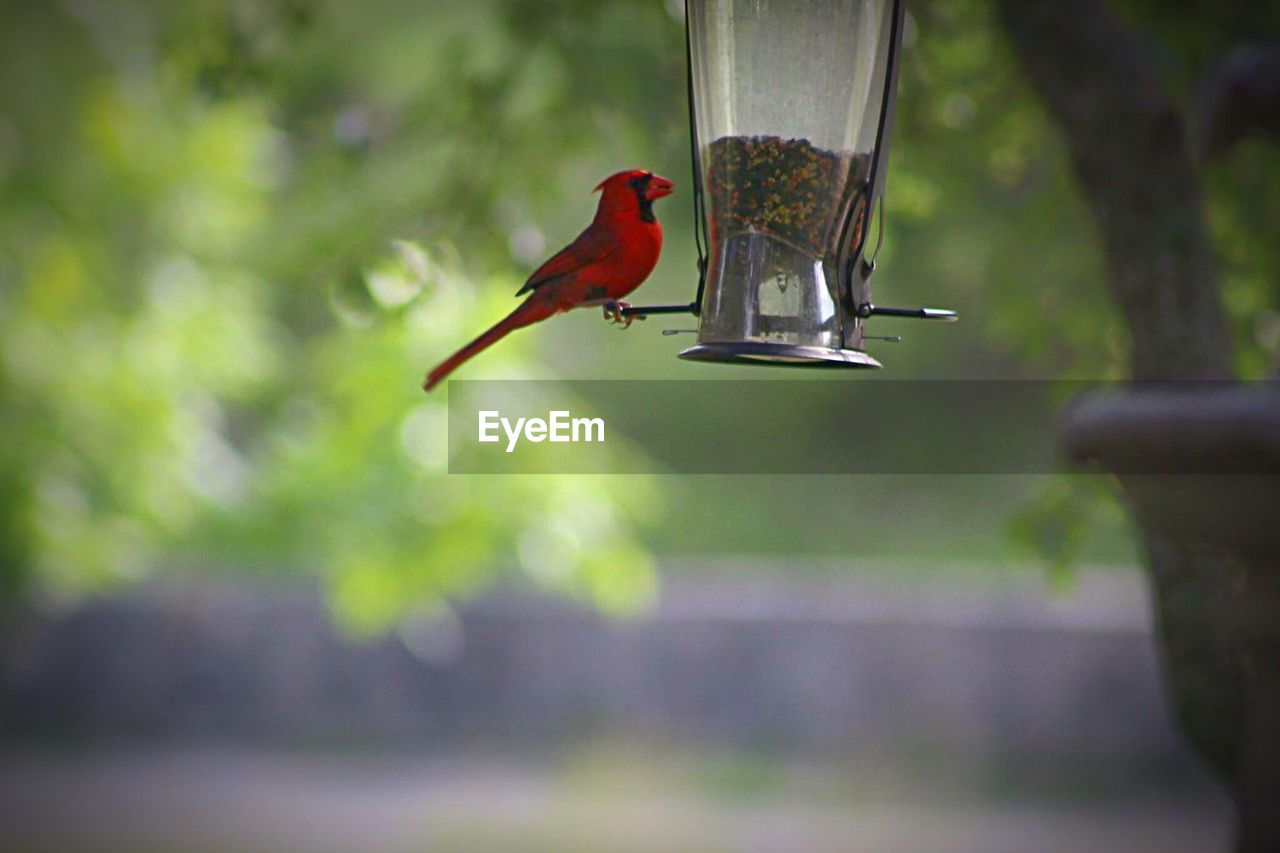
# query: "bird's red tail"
x,y
533,309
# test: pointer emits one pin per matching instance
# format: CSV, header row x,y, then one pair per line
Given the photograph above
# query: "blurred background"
x,y
245,605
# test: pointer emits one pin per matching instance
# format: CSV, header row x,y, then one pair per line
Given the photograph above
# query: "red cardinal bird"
x,y
608,260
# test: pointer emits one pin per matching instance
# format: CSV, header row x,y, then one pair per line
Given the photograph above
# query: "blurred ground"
x,y
758,706
218,798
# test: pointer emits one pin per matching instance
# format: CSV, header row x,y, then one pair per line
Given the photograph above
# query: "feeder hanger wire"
x,y
699,206
872,202
857,264
699,203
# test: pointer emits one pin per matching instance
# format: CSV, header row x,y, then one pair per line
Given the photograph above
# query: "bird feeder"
x,y
791,107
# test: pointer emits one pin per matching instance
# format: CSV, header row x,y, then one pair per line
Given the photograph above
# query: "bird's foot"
x,y
613,313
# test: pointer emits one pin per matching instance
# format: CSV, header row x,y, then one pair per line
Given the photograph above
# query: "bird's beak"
x,y
658,187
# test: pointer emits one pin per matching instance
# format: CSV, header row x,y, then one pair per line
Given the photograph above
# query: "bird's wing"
x,y
592,246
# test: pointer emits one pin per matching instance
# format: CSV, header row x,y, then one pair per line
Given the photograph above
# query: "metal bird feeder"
x,y
791,106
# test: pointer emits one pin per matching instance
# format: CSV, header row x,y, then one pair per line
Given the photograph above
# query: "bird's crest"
x,y
621,178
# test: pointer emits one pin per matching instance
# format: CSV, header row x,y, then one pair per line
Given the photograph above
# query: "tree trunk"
x,y
1129,153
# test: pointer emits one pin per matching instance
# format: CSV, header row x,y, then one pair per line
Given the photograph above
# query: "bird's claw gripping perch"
x,y
613,313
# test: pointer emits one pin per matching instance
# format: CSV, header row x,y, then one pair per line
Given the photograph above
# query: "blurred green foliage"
x,y
234,234
212,348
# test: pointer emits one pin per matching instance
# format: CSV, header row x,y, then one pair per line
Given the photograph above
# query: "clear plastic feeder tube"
x,y
787,100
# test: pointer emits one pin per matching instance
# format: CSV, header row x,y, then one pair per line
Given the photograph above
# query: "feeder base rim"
x,y
779,355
